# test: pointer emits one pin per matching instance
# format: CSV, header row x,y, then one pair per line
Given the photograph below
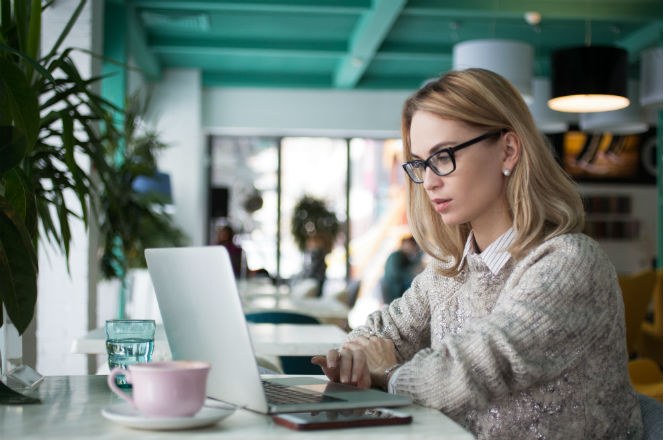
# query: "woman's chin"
x,y
451,219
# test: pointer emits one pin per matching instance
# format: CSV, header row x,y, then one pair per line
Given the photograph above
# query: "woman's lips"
x,y
441,205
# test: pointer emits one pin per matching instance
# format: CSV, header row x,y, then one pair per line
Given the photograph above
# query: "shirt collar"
x,y
495,255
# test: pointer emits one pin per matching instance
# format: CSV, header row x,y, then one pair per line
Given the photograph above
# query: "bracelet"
x,y
388,372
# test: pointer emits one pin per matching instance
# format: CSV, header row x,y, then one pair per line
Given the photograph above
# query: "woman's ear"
x,y
511,150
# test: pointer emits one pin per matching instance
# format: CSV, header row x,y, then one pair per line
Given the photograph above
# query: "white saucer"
x,y
126,415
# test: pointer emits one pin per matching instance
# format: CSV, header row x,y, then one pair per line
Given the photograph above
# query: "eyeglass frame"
x,y
450,151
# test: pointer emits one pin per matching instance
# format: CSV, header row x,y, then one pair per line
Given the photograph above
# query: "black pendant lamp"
x,y
589,79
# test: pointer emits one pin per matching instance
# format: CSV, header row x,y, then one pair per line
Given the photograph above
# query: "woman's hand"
x,y
361,362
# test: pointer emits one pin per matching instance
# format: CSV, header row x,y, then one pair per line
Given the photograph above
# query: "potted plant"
x,y
49,117
314,228
133,217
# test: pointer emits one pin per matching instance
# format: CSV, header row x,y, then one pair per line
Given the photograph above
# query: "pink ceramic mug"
x,y
164,389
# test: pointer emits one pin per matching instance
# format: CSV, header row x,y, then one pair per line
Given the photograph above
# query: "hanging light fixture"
x,y
511,59
547,120
651,77
589,79
629,120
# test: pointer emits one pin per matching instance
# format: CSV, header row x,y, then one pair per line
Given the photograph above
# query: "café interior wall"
x,y
66,302
631,255
175,112
303,112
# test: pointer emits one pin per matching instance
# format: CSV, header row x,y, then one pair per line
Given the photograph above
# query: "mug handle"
x,y
116,389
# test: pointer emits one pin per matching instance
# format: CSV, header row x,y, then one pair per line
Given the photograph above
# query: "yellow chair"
x,y
651,338
637,292
646,377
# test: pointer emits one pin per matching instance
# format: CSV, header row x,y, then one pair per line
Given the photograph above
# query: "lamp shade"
x,y
511,59
548,121
651,77
159,184
589,79
629,120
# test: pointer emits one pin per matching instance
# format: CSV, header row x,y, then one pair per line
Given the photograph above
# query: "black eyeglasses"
x,y
441,162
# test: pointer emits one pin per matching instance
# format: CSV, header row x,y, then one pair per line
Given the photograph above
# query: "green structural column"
x,y
113,88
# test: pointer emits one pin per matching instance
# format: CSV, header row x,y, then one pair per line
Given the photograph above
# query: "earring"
x,y
506,172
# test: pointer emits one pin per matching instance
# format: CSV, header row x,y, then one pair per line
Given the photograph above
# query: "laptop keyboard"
x,y
281,394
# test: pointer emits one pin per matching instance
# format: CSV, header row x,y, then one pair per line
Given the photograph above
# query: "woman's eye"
x,y
442,157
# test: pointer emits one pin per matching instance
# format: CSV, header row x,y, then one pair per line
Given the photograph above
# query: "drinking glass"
x,y
129,341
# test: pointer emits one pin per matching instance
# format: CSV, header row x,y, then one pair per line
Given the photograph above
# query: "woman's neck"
x,y
486,233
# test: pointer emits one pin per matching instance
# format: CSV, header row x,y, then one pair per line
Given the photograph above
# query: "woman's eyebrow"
x,y
440,146
436,148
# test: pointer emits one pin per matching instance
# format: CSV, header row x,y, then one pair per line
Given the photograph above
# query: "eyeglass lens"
x,y
440,164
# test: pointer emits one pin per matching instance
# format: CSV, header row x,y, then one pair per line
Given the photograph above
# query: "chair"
x,y
651,414
652,338
646,377
289,364
637,292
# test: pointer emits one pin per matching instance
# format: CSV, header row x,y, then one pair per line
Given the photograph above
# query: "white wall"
x,y
303,112
175,109
630,256
62,304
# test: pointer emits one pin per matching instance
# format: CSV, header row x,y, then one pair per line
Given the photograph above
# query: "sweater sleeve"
x,y
556,306
405,320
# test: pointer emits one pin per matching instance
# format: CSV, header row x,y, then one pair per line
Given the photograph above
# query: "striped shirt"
x,y
495,255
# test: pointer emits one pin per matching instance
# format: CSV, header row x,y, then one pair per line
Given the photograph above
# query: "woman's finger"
x,y
345,365
365,379
359,364
331,373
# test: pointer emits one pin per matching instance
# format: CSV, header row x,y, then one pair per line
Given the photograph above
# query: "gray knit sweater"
x,y
536,351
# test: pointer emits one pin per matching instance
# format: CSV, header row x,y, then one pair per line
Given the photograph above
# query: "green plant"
x,y
313,220
131,221
50,118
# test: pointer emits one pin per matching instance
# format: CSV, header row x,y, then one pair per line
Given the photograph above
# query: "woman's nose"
x,y
431,179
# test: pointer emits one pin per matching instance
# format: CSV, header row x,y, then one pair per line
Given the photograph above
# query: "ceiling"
x,y
366,44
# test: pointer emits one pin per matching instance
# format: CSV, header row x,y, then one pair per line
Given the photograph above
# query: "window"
x,y
360,179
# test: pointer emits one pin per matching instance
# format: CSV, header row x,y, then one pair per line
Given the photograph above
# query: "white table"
x,y
326,310
268,340
72,405
258,295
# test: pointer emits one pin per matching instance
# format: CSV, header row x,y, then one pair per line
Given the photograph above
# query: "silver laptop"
x,y
203,318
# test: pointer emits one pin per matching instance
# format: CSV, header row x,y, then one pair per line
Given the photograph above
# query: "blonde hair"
x,y
542,199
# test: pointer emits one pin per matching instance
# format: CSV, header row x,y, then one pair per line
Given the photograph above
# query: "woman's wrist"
x,y
387,374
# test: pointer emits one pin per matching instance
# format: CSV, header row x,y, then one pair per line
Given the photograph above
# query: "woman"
x,y
516,328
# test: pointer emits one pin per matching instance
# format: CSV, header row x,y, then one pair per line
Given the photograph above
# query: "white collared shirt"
x,y
495,256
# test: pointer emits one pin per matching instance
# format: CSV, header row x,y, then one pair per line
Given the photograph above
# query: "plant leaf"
x,y
13,146
33,63
18,274
20,101
34,29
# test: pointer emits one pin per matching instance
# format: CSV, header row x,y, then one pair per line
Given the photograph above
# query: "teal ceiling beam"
x,y
365,41
217,47
141,53
596,10
251,79
292,6
645,37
